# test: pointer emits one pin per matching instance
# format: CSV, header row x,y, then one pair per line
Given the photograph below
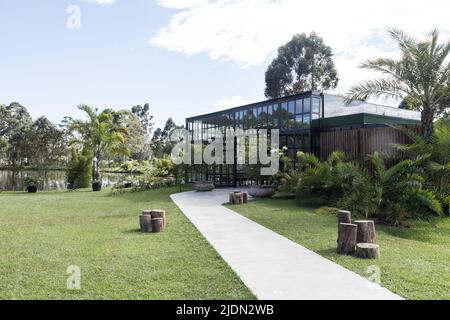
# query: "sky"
x,y
183,57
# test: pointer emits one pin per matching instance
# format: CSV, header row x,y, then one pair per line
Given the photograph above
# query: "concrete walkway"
x,y
271,266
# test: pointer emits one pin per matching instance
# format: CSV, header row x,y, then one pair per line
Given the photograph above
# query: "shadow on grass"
x,y
134,231
328,252
421,233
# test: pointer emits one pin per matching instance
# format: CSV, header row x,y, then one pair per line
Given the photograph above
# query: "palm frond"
x,y
386,66
386,89
416,138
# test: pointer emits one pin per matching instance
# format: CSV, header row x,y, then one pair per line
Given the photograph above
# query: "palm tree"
x,y
421,75
101,135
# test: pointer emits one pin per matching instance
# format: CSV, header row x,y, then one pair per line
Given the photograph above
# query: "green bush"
x,y
79,170
31,181
389,193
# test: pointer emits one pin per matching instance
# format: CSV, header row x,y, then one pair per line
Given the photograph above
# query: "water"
x,y
51,180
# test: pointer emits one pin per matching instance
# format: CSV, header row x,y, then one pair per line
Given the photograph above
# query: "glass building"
x,y
300,118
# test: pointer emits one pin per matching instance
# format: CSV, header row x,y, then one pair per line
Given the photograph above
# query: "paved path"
x,y
271,266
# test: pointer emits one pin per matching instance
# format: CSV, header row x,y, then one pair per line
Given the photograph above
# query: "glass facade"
x,y
292,115
300,120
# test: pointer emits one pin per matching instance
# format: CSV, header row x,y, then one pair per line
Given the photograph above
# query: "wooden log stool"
x,y
159,214
157,225
343,217
367,250
146,221
366,231
347,238
231,198
238,197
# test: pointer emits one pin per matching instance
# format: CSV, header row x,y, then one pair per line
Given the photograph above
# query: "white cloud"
x,y
177,4
250,31
102,2
235,101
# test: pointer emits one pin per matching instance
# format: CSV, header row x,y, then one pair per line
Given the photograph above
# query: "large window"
x,y
296,114
316,106
284,116
275,117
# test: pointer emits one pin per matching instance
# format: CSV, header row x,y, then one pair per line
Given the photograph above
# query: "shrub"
x,y
31,181
79,170
318,179
391,194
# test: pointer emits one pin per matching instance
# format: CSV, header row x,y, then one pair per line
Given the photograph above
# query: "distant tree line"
x,y
106,135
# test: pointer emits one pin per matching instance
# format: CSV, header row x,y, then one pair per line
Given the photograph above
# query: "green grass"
x,y
44,233
414,263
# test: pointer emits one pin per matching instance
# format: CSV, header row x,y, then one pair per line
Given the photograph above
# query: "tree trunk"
x,y
366,231
347,238
96,167
427,122
343,217
367,251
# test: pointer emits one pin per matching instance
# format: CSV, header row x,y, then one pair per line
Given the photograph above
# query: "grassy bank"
x,y
415,261
44,233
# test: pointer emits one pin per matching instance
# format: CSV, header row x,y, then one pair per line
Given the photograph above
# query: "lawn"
x,y
414,263
44,233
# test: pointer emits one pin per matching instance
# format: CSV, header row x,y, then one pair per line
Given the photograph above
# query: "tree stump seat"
x,y
148,224
160,214
347,238
343,217
367,251
366,231
238,197
157,225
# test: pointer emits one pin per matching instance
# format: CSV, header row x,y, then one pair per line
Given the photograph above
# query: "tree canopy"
x,y
304,63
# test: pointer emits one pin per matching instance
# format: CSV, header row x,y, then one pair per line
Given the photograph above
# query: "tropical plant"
x,y
391,194
421,75
318,178
100,135
437,166
357,193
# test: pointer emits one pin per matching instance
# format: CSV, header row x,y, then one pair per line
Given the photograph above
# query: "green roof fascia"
x,y
361,119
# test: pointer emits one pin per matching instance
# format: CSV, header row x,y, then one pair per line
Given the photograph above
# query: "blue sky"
x,y
184,57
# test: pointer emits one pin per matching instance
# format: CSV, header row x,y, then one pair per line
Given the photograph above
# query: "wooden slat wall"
x,y
363,141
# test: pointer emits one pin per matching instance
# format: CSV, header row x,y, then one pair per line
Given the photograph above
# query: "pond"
x,y
51,180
